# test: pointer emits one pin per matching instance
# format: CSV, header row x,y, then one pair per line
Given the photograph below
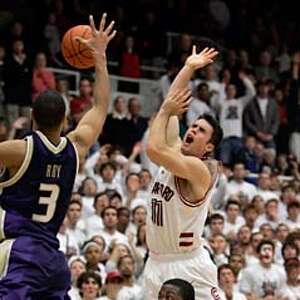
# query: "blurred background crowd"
x,y
253,89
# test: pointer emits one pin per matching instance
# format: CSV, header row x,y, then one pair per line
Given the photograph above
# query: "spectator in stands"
x,y
216,225
93,253
137,124
265,278
264,71
181,52
176,289
52,36
75,225
110,232
247,155
88,190
89,285
250,215
261,117
77,267
293,218
130,289
263,189
199,104
116,125
289,250
218,244
292,288
233,220
123,219
293,108
80,105
42,78
94,224
270,216
237,263
237,185
230,113
130,60
227,278
17,73
62,86
244,236
112,285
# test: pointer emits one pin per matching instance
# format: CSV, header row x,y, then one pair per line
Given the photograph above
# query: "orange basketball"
x,y
74,52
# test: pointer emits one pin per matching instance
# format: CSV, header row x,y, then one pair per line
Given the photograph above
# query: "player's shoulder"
x,y
213,167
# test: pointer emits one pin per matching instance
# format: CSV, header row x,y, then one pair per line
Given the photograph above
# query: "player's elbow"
x,y
153,152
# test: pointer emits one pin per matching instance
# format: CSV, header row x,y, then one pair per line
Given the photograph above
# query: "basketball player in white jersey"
x,y
181,191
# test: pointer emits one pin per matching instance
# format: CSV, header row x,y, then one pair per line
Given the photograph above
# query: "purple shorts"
x,y
32,270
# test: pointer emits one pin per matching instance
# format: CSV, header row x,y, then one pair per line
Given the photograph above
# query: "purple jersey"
x,y
35,200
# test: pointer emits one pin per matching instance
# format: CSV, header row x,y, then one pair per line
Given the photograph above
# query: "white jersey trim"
x,y
24,166
2,219
54,149
5,249
184,200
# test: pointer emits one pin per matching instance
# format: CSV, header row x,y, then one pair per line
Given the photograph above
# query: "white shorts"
x,y
195,267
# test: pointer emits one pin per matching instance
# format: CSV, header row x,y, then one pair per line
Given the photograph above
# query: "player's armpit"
x,y
190,168
12,153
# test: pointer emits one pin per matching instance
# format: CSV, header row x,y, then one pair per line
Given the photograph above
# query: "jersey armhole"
x,y
24,166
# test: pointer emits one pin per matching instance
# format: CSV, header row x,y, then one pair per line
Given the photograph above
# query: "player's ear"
x,y
209,148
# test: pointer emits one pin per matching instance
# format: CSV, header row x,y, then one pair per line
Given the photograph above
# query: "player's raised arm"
x,y
194,62
90,126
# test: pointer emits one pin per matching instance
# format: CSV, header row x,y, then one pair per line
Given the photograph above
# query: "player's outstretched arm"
x,y
90,126
194,62
187,167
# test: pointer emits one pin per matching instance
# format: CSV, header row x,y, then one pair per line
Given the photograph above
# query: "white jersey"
x,y
174,224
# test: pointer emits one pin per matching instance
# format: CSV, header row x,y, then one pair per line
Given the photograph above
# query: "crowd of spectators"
x,y
253,231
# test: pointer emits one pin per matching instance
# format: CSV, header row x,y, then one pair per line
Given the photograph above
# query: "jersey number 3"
x,y
49,201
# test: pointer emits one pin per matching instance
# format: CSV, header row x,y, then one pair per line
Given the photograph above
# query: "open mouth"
x,y
189,139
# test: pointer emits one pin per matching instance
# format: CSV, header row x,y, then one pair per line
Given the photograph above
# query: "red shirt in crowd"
x,y
42,80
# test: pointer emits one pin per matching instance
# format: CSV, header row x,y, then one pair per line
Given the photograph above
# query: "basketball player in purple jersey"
x,y
40,171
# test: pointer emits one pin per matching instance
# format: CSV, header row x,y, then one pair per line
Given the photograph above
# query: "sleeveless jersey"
x,y
174,224
35,200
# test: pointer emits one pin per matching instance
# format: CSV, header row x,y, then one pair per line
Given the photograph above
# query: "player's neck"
x,y
52,135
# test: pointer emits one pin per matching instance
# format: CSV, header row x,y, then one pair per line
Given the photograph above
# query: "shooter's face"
x,y
196,140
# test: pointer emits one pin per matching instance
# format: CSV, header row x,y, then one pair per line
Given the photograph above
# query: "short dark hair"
x,y
75,202
229,202
124,257
225,266
216,216
108,164
99,195
186,289
289,244
106,208
49,110
85,276
217,134
265,242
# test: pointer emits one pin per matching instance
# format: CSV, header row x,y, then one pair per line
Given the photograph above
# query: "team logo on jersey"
x,y
163,190
215,294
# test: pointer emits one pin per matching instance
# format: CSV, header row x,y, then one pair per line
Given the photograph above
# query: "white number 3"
x,y
49,201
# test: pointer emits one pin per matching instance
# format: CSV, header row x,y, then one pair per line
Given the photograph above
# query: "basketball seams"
x,y
74,54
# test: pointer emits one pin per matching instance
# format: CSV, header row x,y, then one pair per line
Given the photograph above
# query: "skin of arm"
x,y
186,167
90,126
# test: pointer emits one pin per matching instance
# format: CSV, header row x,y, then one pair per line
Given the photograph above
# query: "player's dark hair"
x,y
85,276
265,242
217,134
186,290
49,110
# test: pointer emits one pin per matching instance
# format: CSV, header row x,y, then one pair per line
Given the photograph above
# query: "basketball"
x,y
74,52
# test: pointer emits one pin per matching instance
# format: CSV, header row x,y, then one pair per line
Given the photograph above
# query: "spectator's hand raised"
x,y
204,58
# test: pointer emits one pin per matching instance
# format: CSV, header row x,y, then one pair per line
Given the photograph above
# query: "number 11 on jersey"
x,y
157,212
